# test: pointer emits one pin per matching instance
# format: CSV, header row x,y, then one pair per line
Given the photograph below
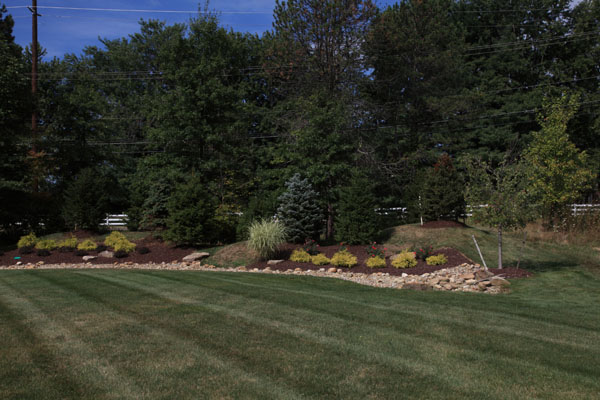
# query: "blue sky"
x,y
69,31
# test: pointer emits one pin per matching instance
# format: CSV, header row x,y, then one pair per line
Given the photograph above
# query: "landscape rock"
x,y
196,256
332,270
106,254
274,262
89,258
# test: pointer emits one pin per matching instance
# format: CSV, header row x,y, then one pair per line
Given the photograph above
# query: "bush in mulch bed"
x,y
26,250
66,249
43,253
143,250
120,254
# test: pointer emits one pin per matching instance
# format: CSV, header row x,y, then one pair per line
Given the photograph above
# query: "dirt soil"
x,y
455,258
159,252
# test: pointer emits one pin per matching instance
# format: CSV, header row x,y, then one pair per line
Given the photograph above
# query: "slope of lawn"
x,y
103,334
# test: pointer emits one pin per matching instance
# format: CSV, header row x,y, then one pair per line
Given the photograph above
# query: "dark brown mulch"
x,y
159,252
511,272
442,224
454,258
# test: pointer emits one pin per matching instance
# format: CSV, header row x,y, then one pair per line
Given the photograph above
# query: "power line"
x,y
145,10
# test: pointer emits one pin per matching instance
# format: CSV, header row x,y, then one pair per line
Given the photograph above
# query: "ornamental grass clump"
x,y
265,237
320,259
29,240
68,244
439,259
376,262
344,258
406,259
300,255
87,245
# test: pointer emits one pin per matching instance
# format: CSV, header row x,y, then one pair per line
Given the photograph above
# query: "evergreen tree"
x,y
356,219
86,200
299,210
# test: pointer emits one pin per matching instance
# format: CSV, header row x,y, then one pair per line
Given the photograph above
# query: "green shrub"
x,y
69,243
265,237
26,250
376,262
320,259
87,245
300,255
440,259
27,240
45,244
422,252
356,219
344,259
299,210
114,238
86,200
124,245
406,259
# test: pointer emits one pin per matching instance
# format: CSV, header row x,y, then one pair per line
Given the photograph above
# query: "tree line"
x,y
193,130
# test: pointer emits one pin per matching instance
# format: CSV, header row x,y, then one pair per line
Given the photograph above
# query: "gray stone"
x,y
106,254
89,258
196,256
274,262
499,282
332,270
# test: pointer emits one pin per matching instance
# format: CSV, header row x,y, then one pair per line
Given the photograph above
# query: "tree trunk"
x,y
329,233
499,246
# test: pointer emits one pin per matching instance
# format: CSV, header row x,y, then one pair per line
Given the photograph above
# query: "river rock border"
x,y
463,278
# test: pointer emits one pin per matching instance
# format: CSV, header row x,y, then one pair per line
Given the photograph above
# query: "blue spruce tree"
x,y
299,210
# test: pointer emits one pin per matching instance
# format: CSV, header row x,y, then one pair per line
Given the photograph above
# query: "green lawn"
x,y
163,334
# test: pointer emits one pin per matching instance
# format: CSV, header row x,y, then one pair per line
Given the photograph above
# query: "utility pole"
x,y
34,62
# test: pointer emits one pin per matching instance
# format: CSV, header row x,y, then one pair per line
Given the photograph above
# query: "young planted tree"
x,y
356,219
560,171
86,200
299,210
499,197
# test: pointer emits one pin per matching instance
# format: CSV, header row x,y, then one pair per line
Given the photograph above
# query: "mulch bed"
x,y
159,252
455,258
442,224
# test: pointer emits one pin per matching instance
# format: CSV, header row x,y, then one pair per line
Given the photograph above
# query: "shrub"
x,y
300,255
344,259
422,252
143,250
87,245
265,237
376,262
320,259
69,243
440,259
124,245
311,247
121,254
86,200
81,253
114,238
406,259
43,252
26,250
27,240
356,219
45,244
65,249
299,210
375,250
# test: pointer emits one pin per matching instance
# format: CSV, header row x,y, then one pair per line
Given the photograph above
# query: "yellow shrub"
x,y
27,240
376,262
124,245
320,259
344,259
300,255
46,244
440,259
114,238
87,245
406,259
70,242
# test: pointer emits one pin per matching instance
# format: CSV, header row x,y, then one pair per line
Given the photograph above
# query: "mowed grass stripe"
x,y
87,367
411,306
188,355
501,362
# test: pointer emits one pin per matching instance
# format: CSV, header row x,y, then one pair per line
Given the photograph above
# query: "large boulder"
x,y
196,256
